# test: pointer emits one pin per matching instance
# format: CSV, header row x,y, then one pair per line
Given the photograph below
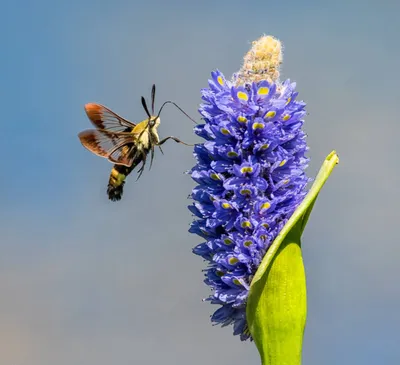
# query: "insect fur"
x,y
124,143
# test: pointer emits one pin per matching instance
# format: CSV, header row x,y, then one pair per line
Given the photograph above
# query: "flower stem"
x,y
277,302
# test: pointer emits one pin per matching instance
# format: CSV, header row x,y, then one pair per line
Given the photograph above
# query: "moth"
x,y
124,143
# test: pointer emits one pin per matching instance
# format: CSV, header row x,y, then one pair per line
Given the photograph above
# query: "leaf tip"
x,y
333,156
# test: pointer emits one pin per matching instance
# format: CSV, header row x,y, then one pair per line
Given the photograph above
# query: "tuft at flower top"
x,y
250,176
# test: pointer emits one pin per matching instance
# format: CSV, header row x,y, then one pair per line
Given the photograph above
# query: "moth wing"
x,y
125,155
104,118
119,148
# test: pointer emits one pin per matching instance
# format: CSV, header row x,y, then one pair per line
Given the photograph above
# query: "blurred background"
x,y
87,281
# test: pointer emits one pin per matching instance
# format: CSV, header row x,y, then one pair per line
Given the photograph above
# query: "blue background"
x,y
86,281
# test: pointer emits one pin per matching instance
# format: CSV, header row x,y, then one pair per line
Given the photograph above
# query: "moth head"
x,y
154,121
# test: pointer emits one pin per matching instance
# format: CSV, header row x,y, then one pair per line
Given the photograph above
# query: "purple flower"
x,y
250,176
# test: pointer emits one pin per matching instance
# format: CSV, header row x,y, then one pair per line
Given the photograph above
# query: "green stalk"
x,y
277,303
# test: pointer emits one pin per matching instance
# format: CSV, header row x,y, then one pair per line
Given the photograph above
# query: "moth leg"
x,y
161,149
175,139
152,143
152,155
140,172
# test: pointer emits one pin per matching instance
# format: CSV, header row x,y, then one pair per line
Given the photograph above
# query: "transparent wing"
x,y
104,118
119,148
125,155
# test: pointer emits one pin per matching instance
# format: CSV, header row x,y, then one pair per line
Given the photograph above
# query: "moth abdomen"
x,y
116,181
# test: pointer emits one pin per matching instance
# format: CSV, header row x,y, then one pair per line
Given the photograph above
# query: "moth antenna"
x,y
153,96
171,102
145,106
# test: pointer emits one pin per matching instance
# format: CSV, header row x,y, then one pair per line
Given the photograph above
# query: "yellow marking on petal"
x,y
212,198
242,96
226,206
220,80
246,224
232,154
288,100
266,205
263,91
247,243
228,241
282,163
236,281
225,131
265,225
286,181
270,114
220,273
265,146
245,192
204,232
241,119
258,126
263,237
215,177
286,117
245,169
233,260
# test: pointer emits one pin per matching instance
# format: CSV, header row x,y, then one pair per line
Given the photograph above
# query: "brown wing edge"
x,y
88,140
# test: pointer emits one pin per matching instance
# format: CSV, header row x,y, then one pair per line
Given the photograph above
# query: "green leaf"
x,y
277,302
